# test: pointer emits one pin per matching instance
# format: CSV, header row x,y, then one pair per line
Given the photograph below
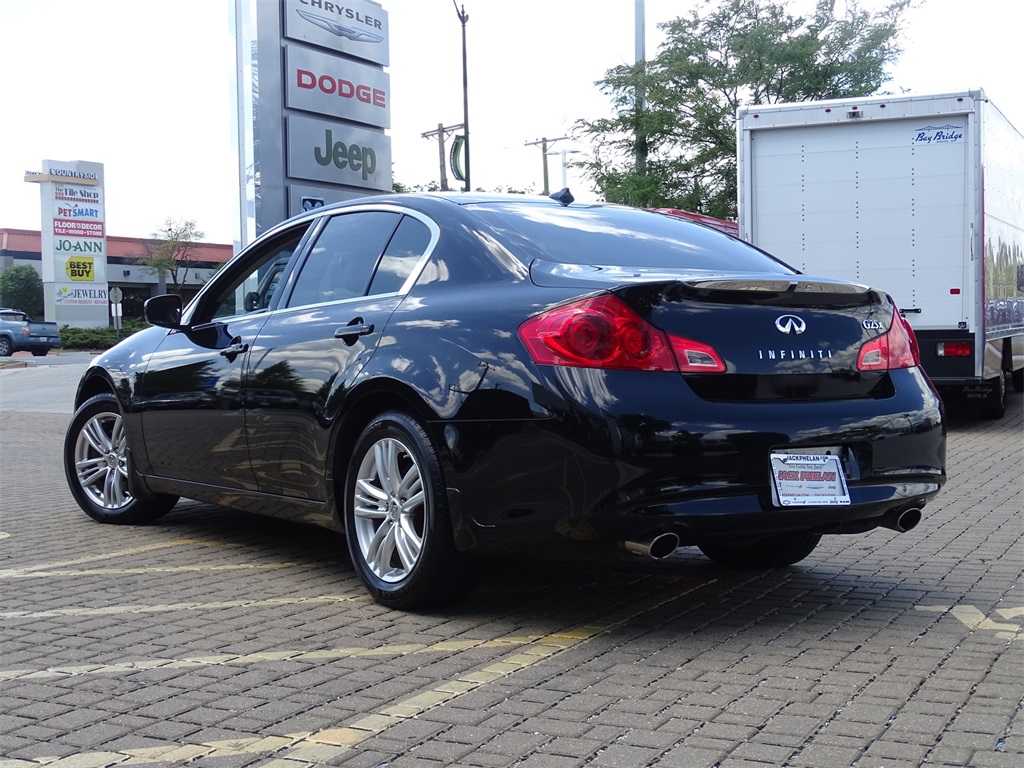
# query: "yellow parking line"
x,y
444,646
147,569
109,610
16,572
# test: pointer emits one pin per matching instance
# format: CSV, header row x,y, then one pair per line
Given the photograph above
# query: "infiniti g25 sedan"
x,y
440,377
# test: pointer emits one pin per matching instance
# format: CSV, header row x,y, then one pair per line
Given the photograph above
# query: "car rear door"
x,y
313,346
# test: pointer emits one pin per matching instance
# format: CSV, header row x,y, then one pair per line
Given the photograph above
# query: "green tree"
x,y
678,110
173,251
21,287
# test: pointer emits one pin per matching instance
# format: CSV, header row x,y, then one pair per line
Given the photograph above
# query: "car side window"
x,y
253,287
403,253
343,258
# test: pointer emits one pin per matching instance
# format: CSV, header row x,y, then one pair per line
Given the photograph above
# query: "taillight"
x,y
895,349
603,332
953,349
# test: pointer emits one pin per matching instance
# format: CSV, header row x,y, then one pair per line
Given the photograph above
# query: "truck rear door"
x,y
881,202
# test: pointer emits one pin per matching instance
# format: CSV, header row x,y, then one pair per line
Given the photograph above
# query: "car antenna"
x,y
564,196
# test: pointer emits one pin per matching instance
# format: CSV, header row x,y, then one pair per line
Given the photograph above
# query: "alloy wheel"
x,y
101,461
390,510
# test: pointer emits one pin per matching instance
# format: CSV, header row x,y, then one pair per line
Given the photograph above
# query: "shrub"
x,y
97,338
21,287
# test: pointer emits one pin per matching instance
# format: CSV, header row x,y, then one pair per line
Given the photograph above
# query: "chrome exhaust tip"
x,y
656,547
904,520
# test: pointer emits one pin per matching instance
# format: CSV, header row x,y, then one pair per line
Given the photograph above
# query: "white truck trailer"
x,y
921,196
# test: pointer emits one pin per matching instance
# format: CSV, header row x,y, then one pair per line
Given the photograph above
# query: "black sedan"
x,y
445,376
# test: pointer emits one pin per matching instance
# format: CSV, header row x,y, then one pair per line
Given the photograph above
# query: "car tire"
x,y
39,352
769,552
96,462
1018,380
397,519
5,347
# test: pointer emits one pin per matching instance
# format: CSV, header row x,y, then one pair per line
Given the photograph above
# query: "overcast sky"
x,y
145,88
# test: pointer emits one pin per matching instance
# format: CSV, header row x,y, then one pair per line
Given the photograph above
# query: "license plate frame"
x,y
807,478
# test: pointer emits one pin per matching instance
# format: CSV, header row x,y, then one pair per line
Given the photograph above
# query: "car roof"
x,y
417,200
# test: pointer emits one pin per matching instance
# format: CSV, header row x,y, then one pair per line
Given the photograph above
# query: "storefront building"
x,y
123,267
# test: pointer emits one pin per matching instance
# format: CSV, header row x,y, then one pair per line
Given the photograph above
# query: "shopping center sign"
x,y
74,242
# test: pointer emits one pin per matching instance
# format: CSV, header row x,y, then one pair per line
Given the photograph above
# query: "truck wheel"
x,y
769,552
5,347
96,467
1018,380
397,520
995,403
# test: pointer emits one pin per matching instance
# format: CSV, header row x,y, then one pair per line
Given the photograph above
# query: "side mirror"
x,y
163,311
251,302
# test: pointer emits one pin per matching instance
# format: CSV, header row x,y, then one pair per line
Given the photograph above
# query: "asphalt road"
x,y
219,639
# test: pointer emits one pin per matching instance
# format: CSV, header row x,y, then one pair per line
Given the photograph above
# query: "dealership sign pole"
x,y
74,242
313,104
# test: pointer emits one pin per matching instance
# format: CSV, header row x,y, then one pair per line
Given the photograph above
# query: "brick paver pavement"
x,y
220,639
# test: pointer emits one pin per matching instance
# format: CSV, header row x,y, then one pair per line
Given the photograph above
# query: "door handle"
x,y
349,333
234,350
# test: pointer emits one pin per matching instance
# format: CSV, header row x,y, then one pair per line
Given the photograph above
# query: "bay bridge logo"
x,y
938,134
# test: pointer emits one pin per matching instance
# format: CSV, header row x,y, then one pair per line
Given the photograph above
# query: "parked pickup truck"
x,y
18,332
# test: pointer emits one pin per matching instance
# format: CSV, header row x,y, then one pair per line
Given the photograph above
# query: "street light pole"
x,y
464,17
641,63
563,153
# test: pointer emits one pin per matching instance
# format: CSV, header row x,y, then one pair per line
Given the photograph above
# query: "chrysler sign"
x,y
353,27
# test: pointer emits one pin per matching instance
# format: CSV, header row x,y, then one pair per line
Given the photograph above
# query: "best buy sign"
x,y
80,268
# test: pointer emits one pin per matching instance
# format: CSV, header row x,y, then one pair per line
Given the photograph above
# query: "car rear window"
x,y
624,237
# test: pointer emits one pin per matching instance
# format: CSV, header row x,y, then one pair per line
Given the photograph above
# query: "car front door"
x,y
190,394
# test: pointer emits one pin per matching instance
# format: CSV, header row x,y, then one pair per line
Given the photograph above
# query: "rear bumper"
x,y
608,473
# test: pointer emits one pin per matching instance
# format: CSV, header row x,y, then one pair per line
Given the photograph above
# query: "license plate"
x,y
801,479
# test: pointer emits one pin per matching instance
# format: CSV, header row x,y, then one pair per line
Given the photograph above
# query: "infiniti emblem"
x,y
790,324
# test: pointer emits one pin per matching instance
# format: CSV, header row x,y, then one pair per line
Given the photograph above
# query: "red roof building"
x,y
137,283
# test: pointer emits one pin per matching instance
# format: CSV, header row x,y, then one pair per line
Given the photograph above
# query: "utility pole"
x,y
442,133
464,17
544,144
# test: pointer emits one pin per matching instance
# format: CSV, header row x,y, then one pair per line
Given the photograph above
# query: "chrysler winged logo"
x,y
790,324
358,35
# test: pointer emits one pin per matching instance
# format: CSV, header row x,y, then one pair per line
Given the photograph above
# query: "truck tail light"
x,y
603,332
953,349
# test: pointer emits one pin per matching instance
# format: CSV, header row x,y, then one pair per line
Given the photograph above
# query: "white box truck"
x,y
920,196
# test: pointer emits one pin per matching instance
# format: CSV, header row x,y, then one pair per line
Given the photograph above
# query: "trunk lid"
x,y
781,337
